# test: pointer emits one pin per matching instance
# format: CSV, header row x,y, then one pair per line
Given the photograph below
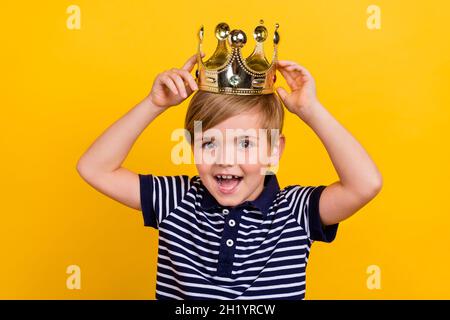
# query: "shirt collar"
x,y
262,202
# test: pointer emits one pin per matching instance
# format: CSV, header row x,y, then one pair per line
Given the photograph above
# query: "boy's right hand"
x,y
173,86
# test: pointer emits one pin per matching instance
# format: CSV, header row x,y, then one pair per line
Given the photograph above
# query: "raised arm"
x,y
101,165
359,179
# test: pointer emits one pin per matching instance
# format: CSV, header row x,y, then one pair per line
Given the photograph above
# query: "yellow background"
x,y
62,88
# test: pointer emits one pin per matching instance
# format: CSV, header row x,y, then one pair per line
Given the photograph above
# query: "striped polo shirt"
x,y
256,250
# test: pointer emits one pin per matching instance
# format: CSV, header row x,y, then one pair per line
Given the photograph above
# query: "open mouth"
x,y
228,183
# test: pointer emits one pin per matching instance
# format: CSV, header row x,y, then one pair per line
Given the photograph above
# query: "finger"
x,y
295,68
297,72
169,83
292,69
289,79
190,63
300,73
286,62
282,93
299,68
178,82
189,78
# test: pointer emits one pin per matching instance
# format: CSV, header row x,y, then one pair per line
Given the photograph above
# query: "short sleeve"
x,y
305,206
160,195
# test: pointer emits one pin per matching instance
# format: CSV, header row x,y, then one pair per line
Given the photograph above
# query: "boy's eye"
x,y
246,143
207,145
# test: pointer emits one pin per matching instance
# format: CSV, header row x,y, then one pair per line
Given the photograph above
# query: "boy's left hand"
x,y
303,96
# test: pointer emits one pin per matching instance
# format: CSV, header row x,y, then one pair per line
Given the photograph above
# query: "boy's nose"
x,y
225,156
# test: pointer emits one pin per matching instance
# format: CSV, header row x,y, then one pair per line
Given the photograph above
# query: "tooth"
x,y
229,177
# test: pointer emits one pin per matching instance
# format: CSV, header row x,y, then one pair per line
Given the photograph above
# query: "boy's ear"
x,y
278,150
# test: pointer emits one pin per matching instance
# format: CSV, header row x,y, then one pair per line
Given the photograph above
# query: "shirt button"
x,y
232,223
225,211
230,242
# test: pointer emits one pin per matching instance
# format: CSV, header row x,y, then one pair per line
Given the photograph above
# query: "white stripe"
x,y
160,199
270,249
252,211
168,295
270,223
218,231
198,285
272,296
247,226
190,233
192,225
181,264
174,191
251,219
264,259
184,274
269,240
277,286
193,253
270,269
193,294
285,276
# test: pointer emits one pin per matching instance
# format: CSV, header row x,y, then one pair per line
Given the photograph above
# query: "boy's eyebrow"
x,y
241,136
248,136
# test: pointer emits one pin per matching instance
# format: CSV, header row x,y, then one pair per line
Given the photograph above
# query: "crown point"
x,y
200,33
222,31
238,38
276,37
260,33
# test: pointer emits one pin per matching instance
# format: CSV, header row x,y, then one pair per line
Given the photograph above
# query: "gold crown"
x,y
227,72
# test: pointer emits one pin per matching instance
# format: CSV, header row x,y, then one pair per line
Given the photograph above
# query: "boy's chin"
x,y
227,200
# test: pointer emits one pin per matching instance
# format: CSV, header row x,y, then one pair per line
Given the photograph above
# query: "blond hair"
x,y
214,108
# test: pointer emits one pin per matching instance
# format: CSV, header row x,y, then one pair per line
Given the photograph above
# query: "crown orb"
x,y
238,38
260,33
222,31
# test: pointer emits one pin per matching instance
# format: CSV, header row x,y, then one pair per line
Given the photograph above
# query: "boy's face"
x,y
235,147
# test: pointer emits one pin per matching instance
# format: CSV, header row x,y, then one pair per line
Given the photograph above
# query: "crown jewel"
x,y
227,72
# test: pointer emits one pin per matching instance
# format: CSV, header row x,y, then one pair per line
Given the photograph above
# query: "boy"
x,y
231,232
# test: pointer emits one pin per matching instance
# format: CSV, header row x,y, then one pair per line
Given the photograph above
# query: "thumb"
x,y
282,93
